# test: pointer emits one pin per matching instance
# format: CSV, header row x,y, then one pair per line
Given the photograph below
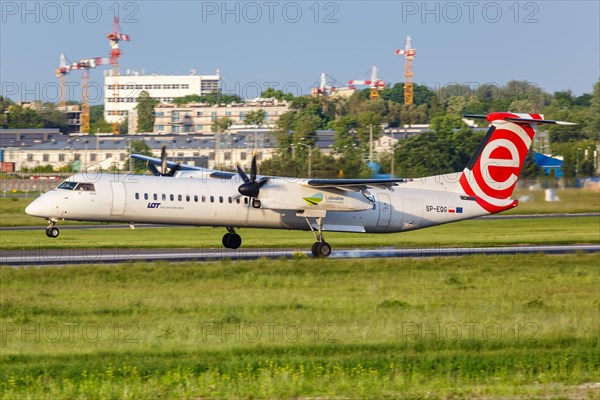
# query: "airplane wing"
x,y
353,184
170,164
222,175
184,167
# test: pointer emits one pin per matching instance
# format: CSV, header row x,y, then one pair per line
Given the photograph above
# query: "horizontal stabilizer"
x,y
510,118
540,121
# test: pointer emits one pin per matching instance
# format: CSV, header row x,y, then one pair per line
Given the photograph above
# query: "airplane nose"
x,y
36,208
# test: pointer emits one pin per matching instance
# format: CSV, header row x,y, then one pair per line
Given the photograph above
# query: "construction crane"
x,y
409,53
323,89
375,84
115,53
85,65
61,74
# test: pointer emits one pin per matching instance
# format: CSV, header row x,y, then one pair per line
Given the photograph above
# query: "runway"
x,y
123,226
48,257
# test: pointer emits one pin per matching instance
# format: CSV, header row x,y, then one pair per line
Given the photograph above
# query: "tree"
x,y
23,118
140,147
190,98
256,117
100,125
221,124
53,118
145,112
96,113
447,148
592,130
124,127
210,98
283,133
276,94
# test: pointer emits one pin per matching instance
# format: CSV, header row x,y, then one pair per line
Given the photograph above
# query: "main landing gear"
x,y
320,249
52,231
232,240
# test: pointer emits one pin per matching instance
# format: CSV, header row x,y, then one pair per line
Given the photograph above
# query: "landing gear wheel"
x,y
232,240
321,249
313,249
226,240
52,232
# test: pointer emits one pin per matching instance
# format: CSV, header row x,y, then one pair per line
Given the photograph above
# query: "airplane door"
x,y
385,209
118,198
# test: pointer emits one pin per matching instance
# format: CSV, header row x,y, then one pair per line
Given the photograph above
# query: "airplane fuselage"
x,y
216,202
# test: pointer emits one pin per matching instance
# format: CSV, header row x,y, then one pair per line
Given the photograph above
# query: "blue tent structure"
x,y
549,163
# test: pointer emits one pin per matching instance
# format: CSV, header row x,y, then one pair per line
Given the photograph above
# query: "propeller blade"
x,y
152,168
173,170
262,181
163,160
253,169
242,173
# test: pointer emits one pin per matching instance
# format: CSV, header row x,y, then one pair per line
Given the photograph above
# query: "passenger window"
x,y
172,197
179,197
220,199
164,197
155,197
145,196
187,197
137,196
196,198
230,200
237,200
245,200
212,199
204,199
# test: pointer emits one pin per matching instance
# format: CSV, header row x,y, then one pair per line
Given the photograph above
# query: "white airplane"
x,y
187,195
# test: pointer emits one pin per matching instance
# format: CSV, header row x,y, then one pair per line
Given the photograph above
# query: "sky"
x,y
288,44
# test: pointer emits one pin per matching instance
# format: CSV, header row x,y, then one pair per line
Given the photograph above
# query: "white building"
x,y
199,118
121,92
111,151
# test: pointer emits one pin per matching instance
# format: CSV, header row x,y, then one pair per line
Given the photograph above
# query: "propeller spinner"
x,y
250,187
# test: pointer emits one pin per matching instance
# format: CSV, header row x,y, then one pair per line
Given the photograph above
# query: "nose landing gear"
x,y
52,231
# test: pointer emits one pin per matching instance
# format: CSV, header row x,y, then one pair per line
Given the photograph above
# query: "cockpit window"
x,y
67,185
87,187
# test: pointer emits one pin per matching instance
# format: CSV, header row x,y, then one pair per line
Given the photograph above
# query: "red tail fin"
x,y
492,173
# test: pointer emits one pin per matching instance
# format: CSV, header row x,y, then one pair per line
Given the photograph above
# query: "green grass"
x,y
12,213
469,327
465,233
12,209
571,201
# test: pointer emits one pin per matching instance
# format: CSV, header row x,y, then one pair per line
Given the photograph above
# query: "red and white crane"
x,y
374,83
409,53
115,53
323,88
61,73
85,65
